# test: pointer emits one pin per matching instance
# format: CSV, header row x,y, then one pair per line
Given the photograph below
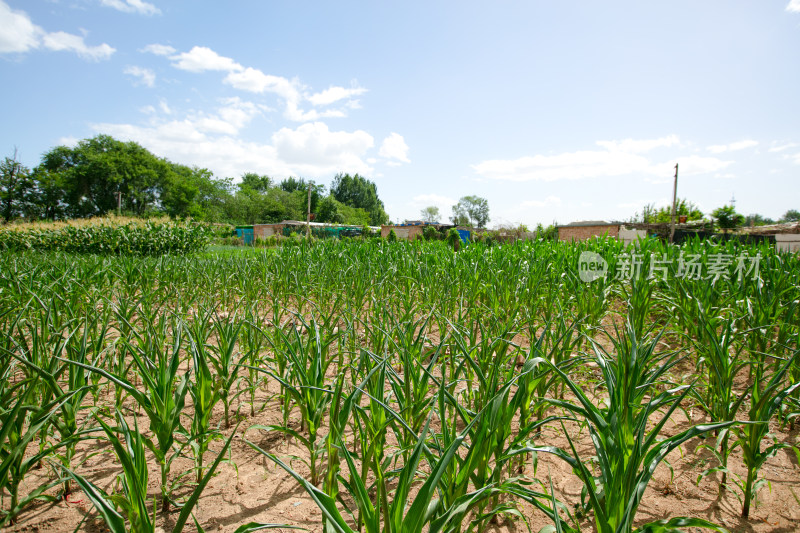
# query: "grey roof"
x,y
590,223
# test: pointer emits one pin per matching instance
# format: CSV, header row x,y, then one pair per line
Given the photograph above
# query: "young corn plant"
x,y
766,399
129,449
226,360
20,423
627,442
402,513
205,395
492,447
720,362
411,386
164,394
54,386
307,382
254,343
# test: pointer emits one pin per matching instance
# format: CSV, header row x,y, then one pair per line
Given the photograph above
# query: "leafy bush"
x,y
431,233
454,239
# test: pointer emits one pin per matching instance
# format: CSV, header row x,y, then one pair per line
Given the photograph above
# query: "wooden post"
x,y
674,200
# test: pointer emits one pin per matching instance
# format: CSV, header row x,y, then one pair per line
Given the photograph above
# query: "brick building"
x,y
580,231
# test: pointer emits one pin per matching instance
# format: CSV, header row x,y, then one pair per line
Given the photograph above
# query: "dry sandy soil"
x,y
258,490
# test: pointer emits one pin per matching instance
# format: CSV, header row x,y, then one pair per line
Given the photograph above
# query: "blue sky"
x,y
553,111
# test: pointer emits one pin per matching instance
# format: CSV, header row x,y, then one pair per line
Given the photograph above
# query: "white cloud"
x,y
159,49
146,76
132,6
69,141
19,34
617,160
255,81
200,59
633,146
212,140
334,94
314,146
782,147
793,6
732,147
573,165
395,149
229,119
62,41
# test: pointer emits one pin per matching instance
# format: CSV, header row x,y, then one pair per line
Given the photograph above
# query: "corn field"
x,y
398,387
107,236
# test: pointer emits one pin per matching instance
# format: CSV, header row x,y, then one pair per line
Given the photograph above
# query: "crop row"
x,y
108,238
423,379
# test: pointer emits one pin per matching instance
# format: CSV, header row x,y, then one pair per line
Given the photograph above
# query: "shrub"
x,y
454,239
431,233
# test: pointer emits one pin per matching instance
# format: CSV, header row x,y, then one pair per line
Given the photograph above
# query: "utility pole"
x,y
674,200
119,203
308,216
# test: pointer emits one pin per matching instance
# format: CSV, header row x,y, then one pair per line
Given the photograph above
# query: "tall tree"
x,y
430,214
359,192
299,188
193,192
792,215
255,182
471,211
47,198
97,170
333,211
15,187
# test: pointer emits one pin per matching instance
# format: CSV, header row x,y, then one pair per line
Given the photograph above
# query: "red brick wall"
x,y
581,233
401,231
259,230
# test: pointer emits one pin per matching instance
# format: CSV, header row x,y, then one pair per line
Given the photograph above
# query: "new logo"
x,y
591,266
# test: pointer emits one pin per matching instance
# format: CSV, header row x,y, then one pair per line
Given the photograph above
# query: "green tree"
x,y
471,211
663,215
329,211
193,192
430,214
16,186
251,180
94,172
47,197
298,187
757,220
792,215
356,191
332,211
727,217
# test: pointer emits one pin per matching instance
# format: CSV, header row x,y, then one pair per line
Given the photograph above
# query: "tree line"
x,y
102,175
726,216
